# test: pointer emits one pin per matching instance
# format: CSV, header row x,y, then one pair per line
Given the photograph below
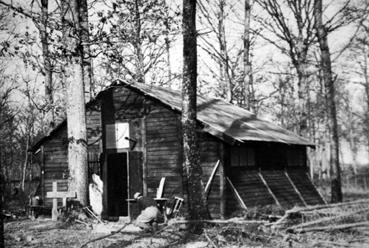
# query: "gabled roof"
x,y
219,118
223,119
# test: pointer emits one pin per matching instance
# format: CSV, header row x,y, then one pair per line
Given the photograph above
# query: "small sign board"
x,y
117,135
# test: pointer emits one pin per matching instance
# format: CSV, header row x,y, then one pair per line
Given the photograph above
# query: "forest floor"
x,y
43,232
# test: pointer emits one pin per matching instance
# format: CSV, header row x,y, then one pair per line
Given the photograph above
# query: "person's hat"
x,y
136,195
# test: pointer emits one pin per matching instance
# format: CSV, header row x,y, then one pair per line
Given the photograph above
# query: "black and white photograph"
x,y
184,123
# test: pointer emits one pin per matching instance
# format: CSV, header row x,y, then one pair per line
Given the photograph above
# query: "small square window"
x,y
116,135
242,156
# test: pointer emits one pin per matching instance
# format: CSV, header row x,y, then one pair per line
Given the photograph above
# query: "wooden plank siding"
x,y
155,130
163,151
210,153
282,188
161,140
56,156
56,164
93,123
251,189
304,185
163,146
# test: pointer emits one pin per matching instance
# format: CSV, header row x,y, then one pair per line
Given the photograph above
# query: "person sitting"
x,y
150,213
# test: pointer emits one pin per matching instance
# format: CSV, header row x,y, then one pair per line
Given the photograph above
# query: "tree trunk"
x,y
224,60
167,41
352,143
302,82
366,83
326,66
140,70
167,48
248,94
191,157
302,75
76,113
47,62
2,188
87,59
25,163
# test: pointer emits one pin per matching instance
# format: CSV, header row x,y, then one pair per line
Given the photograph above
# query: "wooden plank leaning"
x,y
238,197
208,184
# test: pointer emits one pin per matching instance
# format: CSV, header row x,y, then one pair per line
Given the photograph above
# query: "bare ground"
x,y
45,233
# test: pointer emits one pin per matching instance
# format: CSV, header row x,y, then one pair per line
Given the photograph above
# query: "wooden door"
x,y
117,184
135,180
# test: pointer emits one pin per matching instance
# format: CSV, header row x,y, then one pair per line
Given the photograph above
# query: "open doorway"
x,y
117,184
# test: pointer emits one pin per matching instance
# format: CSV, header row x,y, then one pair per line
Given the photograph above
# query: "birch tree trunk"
x,y
248,94
47,62
326,67
364,67
351,140
87,59
76,113
191,157
224,60
301,65
167,46
301,98
140,70
25,163
2,188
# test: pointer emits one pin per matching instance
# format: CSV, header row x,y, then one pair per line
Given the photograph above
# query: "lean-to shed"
x,y
134,139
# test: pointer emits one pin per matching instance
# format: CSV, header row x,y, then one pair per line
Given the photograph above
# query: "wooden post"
x,y
239,199
144,157
222,190
207,187
321,196
222,180
54,210
43,187
159,192
128,183
295,188
269,190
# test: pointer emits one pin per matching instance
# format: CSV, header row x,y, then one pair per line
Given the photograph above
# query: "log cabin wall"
x,y
211,150
93,123
265,174
160,135
55,153
55,164
156,143
157,130
163,151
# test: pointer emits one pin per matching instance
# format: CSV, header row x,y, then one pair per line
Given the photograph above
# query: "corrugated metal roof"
x,y
224,119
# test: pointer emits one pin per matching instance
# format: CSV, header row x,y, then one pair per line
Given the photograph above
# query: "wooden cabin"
x,y
134,139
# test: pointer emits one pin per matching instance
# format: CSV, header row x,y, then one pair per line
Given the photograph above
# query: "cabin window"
x,y
117,135
242,156
295,157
